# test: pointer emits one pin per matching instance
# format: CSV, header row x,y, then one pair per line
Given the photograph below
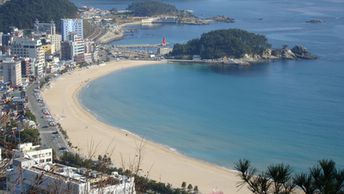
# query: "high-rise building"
x,y
78,45
73,48
55,40
11,71
1,38
6,39
26,67
31,48
66,51
72,26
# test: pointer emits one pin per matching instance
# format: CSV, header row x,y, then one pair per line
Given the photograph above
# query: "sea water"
x,y
288,111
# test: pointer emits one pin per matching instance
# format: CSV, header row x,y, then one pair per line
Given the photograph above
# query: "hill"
x,y
234,43
151,8
23,13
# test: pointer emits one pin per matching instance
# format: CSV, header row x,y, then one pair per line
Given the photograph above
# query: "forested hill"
x,y
234,43
23,13
151,8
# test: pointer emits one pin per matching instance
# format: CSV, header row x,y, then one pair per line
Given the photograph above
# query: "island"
x,y
234,46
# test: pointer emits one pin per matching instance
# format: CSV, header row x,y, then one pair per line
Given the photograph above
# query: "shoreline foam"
x,y
85,130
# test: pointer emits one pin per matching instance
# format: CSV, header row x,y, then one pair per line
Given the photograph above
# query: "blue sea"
x,y
287,111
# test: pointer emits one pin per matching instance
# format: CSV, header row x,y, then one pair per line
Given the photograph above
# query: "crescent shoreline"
x,y
94,137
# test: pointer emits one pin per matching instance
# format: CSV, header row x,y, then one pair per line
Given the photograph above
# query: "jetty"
x,y
139,46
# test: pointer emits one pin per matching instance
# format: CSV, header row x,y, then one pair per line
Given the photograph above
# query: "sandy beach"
x,y
88,134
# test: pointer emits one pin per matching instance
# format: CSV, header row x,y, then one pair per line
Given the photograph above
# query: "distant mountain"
x,y
23,13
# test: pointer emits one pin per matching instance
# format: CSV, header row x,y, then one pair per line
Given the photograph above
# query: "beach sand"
x,y
93,137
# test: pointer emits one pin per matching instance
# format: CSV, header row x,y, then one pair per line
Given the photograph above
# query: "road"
x,y
51,137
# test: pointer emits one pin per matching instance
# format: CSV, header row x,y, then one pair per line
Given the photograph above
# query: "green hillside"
x,y
23,13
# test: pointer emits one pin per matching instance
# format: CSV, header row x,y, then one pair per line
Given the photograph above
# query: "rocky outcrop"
x,y
286,53
314,21
297,52
302,53
223,19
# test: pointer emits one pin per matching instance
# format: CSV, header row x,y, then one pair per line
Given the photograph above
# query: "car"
x,y
55,132
45,126
64,149
52,123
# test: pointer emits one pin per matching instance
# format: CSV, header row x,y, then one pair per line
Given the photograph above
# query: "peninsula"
x,y
234,46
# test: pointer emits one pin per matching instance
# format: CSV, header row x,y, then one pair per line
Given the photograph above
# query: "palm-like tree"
x,y
280,175
258,184
323,178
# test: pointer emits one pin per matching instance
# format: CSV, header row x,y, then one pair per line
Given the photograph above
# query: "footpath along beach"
x,y
89,134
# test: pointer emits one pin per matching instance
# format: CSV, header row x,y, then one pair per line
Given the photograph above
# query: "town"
x,y
30,136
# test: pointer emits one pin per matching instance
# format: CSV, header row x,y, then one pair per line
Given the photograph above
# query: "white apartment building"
x,y
72,26
78,45
30,48
60,179
35,153
11,71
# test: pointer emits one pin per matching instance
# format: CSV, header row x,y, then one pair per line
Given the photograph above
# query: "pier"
x,y
139,46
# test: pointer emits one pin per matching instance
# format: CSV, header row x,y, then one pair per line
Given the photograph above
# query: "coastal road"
x,y
51,137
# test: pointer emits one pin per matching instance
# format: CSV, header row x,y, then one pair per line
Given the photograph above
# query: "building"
x,y
55,40
73,48
5,39
11,71
26,67
164,50
72,26
49,31
1,33
90,46
78,45
45,28
48,177
66,51
30,48
35,153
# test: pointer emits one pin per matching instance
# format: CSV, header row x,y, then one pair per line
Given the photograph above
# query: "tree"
x,y
280,176
151,8
183,185
277,178
196,189
258,184
23,13
234,43
324,178
190,187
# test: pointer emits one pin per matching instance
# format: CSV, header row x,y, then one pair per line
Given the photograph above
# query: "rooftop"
x,y
76,175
